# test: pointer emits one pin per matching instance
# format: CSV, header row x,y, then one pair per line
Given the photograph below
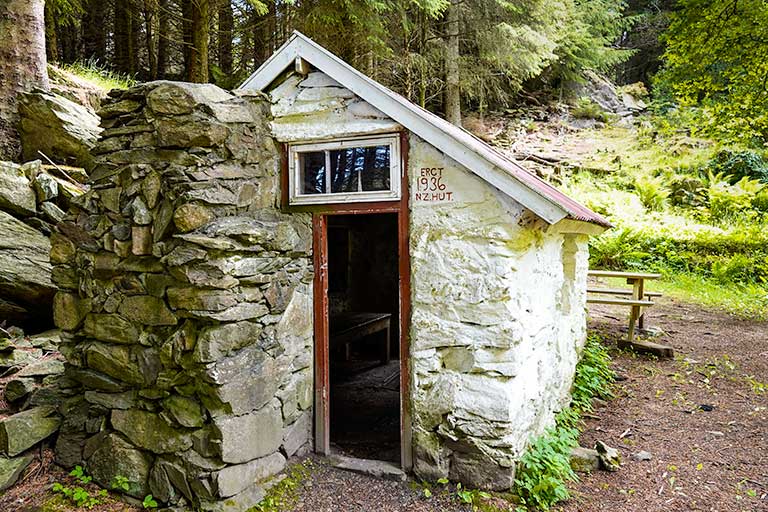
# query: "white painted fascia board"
x,y
273,66
407,114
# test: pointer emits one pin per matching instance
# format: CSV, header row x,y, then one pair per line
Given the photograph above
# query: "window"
x,y
345,171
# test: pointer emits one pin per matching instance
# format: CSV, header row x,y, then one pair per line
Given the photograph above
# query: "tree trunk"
x,y
163,26
52,43
150,13
452,87
226,27
197,71
186,34
94,31
22,64
125,38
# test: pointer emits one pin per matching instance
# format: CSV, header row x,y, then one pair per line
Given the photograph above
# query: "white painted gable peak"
x,y
527,189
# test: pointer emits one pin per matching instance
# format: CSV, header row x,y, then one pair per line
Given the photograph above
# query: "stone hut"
x,y
240,257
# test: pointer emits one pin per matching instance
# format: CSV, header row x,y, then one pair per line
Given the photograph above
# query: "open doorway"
x,y
363,298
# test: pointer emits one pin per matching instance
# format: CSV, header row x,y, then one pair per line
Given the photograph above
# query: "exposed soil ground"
x,y
703,417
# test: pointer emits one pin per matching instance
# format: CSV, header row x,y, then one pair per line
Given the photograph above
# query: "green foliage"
x,y
120,483
739,164
475,499
652,192
739,256
618,249
727,201
80,474
585,108
79,496
545,469
588,35
715,61
149,502
593,376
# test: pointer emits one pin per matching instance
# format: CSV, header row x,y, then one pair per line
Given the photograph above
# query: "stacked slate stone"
x,y
184,301
32,201
32,388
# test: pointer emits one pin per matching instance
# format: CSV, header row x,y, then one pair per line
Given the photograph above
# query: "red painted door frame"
x,y
320,301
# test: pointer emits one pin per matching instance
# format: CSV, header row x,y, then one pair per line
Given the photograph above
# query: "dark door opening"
x,y
364,332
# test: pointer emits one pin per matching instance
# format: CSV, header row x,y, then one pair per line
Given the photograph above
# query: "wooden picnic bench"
x,y
347,328
637,299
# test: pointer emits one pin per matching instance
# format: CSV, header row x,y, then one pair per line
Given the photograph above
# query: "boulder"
x,y
149,431
251,436
17,389
19,358
216,342
112,457
42,368
184,410
25,272
235,479
25,429
181,98
16,193
58,127
610,459
12,468
584,460
147,310
46,188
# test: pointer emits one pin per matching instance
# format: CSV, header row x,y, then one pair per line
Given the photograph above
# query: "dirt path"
x,y
702,459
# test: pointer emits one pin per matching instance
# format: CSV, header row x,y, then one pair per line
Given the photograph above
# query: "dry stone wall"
x,y
185,302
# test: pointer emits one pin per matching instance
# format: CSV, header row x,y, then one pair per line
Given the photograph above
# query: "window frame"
x,y
296,198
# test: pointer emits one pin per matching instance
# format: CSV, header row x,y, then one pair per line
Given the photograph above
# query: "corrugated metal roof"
x,y
501,172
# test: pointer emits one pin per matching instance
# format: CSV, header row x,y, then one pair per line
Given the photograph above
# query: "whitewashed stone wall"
x,y
317,107
498,320
498,310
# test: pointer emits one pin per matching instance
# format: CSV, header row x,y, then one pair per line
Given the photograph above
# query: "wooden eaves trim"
x,y
486,165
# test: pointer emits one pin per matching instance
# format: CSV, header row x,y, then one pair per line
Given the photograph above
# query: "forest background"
x,y
685,181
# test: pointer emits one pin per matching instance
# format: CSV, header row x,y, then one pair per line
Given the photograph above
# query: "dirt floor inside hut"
x,y
702,417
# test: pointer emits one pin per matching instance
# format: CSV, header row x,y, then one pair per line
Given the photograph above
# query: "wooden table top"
x,y
628,275
342,322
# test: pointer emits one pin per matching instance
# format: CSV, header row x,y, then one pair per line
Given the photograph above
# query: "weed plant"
x,y
544,471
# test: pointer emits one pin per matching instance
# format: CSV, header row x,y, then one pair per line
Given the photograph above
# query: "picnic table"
x,y
347,328
636,298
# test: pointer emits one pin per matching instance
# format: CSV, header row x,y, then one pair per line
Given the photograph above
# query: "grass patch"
x,y
748,301
99,76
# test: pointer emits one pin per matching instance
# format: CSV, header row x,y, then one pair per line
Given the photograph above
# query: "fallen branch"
x,y
62,171
541,159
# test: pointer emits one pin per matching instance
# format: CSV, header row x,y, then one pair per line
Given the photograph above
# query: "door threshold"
x,y
376,468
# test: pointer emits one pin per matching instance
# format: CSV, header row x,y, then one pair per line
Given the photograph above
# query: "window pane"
x,y
312,167
345,172
363,169
376,168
